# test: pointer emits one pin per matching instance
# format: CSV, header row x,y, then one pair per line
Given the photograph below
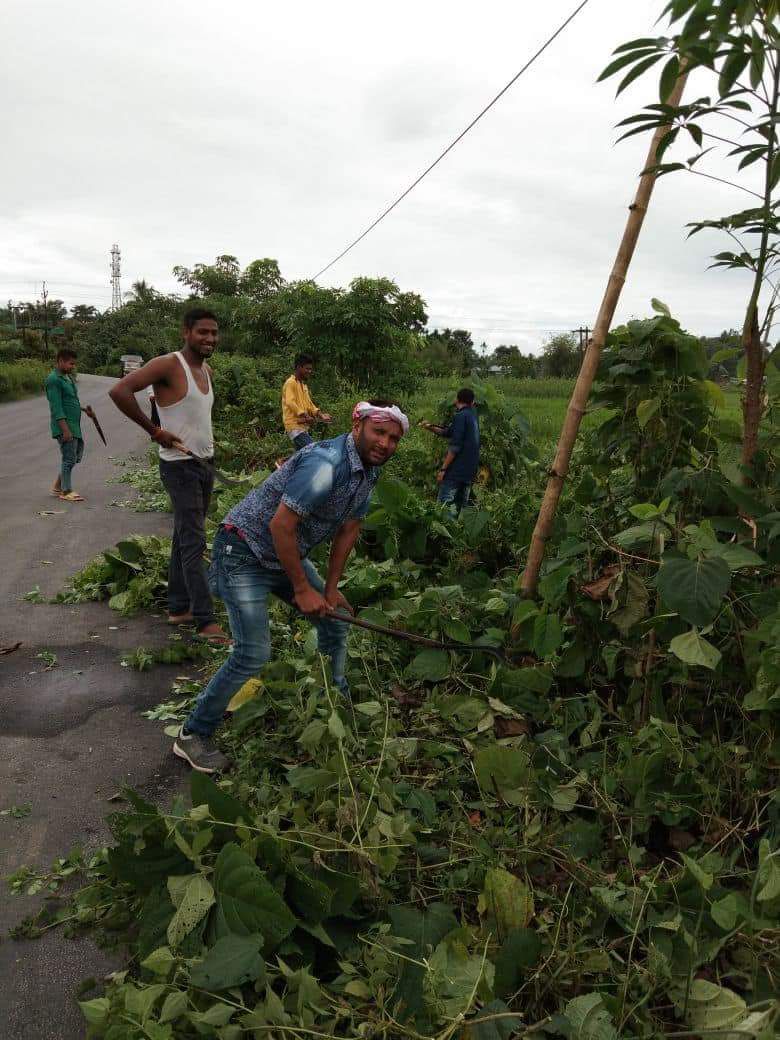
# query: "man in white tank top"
x,y
184,397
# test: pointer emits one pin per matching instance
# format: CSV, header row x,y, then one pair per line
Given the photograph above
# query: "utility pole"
x,y
45,295
584,336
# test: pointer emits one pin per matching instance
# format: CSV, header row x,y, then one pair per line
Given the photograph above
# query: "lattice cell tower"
x,y
116,292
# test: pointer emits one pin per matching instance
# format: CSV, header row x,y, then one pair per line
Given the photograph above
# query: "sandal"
x,y
214,638
180,619
70,496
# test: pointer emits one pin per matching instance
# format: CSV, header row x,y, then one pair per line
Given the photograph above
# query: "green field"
x,y
543,402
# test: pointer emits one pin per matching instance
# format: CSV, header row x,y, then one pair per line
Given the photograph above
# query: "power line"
x,y
452,144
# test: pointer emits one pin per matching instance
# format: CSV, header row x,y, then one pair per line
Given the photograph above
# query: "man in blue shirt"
x,y
461,463
321,493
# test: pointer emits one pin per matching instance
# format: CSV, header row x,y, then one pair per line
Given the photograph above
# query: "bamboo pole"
x,y
590,363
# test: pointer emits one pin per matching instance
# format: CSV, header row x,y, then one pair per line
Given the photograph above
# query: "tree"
x,y
84,312
222,278
560,357
449,350
738,41
261,279
141,292
371,331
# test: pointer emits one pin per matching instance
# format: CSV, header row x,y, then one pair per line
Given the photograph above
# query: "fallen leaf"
x,y
598,589
511,727
475,819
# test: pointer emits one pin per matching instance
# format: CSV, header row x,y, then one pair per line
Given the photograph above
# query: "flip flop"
x,y
215,639
71,496
180,619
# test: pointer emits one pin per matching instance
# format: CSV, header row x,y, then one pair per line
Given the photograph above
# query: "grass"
x,y
22,378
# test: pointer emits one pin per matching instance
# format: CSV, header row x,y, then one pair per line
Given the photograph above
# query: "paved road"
x,y
71,736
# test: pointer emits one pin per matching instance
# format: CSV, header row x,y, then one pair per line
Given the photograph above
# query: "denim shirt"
x,y
463,435
325,483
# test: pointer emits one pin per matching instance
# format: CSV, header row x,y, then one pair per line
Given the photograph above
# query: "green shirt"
x,y
63,403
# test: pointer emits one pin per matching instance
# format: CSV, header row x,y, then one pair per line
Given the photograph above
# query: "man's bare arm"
x,y
123,395
284,529
343,544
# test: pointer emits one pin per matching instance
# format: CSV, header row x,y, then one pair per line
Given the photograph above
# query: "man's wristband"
x,y
155,431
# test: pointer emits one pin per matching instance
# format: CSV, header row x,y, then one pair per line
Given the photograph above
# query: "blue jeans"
x,y
72,452
454,494
244,585
300,440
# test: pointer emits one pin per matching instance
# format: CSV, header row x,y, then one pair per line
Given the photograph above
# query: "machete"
x,y
208,465
94,419
410,637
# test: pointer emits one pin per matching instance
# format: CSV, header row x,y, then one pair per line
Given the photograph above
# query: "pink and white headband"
x,y
380,414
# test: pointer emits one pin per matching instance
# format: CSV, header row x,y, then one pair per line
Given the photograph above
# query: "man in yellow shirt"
x,y
299,412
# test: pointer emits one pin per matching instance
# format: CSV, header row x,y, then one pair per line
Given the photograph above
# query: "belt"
x,y
232,529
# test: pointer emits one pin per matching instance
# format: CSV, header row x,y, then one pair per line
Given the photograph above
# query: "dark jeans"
x,y
454,494
71,452
189,484
300,440
244,586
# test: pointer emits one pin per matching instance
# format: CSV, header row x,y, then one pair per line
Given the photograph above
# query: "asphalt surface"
x,y
72,735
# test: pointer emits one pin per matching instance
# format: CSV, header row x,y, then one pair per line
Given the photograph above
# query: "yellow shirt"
x,y
295,400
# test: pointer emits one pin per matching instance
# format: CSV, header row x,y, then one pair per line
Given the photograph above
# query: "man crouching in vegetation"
x,y
321,493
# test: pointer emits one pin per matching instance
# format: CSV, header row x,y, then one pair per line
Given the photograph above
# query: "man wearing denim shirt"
x,y
461,463
321,493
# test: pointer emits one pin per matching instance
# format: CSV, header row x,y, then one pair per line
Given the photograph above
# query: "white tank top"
x,y
189,419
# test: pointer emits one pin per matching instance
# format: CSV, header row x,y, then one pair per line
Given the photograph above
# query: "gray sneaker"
x,y
201,752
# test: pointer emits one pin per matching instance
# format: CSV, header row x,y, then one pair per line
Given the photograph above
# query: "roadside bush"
x,y
21,378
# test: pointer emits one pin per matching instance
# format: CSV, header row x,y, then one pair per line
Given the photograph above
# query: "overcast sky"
x,y
186,130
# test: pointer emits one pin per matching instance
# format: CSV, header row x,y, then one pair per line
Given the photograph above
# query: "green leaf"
x,y
709,1007
658,305
336,726
547,636
733,67
518,954
726,354
503,772
231,961
174,1005
457,631
196,901
159,961
95,1011
246,900
431,665
669,74
424,929
139,1000
768,873
506,901
695,589
703,877
646,409
637,71
589,1018
724,912
222,806
693,649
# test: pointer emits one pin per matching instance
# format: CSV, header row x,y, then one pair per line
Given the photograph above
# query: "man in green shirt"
x,y
65,409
